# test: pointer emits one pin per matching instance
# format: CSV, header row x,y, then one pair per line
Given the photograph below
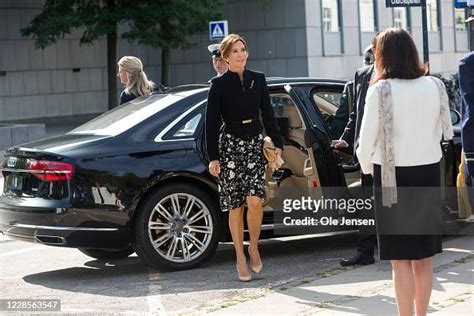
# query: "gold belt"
x,y
248,121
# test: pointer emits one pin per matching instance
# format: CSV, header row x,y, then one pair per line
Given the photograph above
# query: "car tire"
x,y
107,254
177,227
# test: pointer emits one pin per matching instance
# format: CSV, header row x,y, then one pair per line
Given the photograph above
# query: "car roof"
x,y
285,80
270,81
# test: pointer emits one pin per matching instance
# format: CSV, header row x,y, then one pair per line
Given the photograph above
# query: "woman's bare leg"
x,y
254,223
236,225
404,284
423,274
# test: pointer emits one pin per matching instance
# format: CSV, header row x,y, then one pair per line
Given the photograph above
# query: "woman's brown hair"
x,y
396,56
228,42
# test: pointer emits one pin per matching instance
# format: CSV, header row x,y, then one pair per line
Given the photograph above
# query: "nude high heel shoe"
x,y
257,269
243,278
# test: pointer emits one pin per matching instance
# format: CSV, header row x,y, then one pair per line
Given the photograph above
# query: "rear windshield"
x,y
127,115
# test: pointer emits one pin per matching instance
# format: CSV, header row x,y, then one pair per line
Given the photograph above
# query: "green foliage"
x,y
61,17
177,19
159,23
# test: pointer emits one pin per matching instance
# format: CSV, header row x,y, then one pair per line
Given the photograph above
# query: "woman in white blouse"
x,y
406,116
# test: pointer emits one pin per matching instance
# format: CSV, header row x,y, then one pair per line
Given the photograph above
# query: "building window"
x,y
332,26
330,16
327,19
432,13
367,17
400,18
459,17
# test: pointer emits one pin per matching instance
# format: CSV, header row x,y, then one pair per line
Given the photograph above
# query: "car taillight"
x,y
50,170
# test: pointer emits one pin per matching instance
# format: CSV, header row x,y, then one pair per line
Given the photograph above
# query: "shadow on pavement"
x,y
283,261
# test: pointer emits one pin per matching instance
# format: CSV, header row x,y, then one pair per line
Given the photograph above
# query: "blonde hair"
x,y
228,42
138,83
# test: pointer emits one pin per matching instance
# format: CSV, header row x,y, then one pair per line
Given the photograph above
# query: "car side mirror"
x,y
455,117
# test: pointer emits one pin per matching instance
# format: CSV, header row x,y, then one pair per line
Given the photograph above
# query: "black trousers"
x,y
367,236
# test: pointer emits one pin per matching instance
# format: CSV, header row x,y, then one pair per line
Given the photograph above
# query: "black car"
x,y
135,178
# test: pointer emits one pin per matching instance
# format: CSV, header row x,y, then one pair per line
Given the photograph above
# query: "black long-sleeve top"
x,y
127,96
232,101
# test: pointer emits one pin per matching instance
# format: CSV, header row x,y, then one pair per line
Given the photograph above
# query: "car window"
x,y
281,103
328,102
287,115
127,115
332,96
186,128
334,107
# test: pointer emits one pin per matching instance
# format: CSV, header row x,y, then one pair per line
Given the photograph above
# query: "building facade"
x,y
320,38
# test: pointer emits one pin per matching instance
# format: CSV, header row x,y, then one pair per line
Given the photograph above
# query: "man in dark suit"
x,y
349,140
466,86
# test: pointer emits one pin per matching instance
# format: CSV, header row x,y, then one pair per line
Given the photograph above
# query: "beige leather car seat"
x,y
295,125
293,156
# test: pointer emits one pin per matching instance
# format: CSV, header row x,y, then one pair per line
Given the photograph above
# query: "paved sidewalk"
x,y
367,290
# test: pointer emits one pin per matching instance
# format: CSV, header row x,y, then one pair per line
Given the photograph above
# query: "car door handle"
x,y
350,168
308,169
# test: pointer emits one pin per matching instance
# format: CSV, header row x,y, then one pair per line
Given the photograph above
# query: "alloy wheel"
x,y
180,227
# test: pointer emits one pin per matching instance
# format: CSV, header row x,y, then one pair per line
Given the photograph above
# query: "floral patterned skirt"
x,y
242,170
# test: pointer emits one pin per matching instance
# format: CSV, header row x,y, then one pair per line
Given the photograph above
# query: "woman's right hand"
x,y
339,144
215,168
278,151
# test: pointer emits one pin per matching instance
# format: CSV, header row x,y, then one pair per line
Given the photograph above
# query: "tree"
x,y
164,24
177,19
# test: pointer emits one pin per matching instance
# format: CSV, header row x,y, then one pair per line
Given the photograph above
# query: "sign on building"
x,y
403,3
463,3
218,30
460,3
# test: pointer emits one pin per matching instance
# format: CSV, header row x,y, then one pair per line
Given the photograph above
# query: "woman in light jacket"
x,y
406,116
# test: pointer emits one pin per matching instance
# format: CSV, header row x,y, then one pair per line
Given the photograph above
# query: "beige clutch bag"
x,y
274,160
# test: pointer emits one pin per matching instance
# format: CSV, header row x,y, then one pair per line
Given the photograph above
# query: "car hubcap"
x,y
180,227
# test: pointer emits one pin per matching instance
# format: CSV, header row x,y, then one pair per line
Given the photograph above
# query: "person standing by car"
x,y
402,151
236,99
350,138
466,167
219,64
134,79
466,87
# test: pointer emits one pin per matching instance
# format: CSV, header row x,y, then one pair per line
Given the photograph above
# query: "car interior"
x,y
297,172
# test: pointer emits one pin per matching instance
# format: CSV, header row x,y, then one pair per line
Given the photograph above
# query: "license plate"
x,y
16,183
